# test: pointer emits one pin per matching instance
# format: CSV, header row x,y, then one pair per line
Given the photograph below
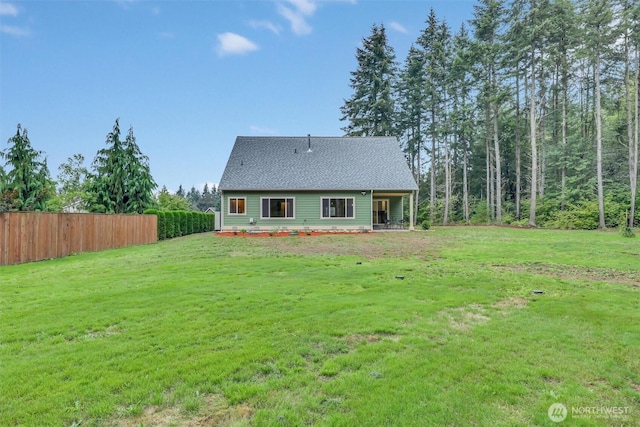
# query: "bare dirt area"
x,y
214,412
370,245
572,272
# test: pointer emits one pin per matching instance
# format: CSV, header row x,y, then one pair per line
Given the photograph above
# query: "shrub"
x,y
188,223
196,221
162,229
183,222
169,224
426,224
626,231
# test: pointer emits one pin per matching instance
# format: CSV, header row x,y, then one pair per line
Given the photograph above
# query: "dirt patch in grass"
x,y
511,302
369,246
465,318
370,338
214,411
572,272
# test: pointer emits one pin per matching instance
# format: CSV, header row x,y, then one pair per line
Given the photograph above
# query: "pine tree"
x,y
27,184
121,181
370,110
462,115
411,112
486,22
429,42
597,38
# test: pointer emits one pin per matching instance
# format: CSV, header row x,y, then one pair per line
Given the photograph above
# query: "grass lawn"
x,y
405,329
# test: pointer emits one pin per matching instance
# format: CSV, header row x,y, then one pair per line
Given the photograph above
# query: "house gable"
x,y
317,163
320,183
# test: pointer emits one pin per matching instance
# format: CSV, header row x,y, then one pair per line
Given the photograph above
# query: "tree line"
x,y
119,180
528,114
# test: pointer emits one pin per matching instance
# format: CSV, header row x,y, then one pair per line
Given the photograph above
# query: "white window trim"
x,y
322,217
279,218
229,205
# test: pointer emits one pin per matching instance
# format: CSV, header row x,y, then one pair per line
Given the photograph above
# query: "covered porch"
x,y
388,210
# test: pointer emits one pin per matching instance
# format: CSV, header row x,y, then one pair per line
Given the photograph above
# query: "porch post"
x,y
411,211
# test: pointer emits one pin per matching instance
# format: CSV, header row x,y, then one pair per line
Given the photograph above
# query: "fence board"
x,y
34,236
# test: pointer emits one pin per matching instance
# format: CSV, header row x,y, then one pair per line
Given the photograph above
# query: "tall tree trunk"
x,y
432,196
634,184
542,170
465,184
563,173
627,93
418,173
496,144
447,180
532,137
489,164
602,223
518,150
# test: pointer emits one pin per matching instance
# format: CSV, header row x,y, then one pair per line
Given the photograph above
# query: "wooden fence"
x,y
31,236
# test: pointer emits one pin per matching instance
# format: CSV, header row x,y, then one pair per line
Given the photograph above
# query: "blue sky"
x,y
189,76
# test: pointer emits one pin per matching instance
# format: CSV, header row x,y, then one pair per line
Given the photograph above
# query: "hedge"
x,y
181,223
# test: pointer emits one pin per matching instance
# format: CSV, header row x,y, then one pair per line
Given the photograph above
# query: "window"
x,y
237,205
277,208
338,208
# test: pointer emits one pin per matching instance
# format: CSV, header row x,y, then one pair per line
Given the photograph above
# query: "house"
x,y
316,183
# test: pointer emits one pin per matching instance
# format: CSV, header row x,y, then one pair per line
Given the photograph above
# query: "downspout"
x,y
411,225
221,210
371,212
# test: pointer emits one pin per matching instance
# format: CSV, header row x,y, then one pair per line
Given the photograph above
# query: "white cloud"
x,y
297,15
265,24
397,27
257,130
234,44
8,9
15,31
306,7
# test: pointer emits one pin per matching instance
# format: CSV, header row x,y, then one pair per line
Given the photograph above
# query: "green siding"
x,y
307,212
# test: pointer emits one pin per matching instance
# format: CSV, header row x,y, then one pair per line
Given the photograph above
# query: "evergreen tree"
x,y
411,113
462,109
598,36
370,110
27,184
193,197
487,20
181,192
121,181
429,42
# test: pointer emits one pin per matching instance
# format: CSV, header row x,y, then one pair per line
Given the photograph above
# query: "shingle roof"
x,y
334,163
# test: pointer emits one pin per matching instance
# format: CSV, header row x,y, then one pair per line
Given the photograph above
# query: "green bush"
x,y
201,220
188,223
626,231
425,224
162,228
169,224
183,223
